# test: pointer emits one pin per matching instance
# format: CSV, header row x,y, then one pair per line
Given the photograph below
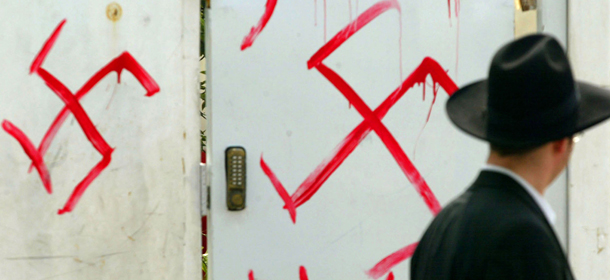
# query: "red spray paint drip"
x,y
124,61
449,9
400,42
258,28
325,21
456,10
302,274
435,91
315,12
350,10
385,265
372,119
457,48
391,276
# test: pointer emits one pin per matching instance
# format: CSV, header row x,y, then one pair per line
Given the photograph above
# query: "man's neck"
x,y
534,174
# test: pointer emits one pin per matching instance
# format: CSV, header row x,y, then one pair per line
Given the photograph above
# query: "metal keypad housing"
x,y
235,158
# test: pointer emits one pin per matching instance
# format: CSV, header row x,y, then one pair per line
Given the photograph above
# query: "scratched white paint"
x,y
140,218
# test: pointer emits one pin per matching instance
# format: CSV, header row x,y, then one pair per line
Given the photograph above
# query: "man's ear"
x,y
561,146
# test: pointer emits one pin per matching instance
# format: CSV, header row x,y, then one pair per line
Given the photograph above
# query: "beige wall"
x,y
589,191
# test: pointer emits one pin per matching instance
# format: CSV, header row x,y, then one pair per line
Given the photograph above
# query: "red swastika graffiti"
x,y
123,61
372,121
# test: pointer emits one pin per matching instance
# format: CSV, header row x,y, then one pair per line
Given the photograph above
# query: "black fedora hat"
x,y
529,98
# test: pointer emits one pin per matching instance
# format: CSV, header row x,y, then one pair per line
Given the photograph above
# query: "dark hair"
x,y
511,150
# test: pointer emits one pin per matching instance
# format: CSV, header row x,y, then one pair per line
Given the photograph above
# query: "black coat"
x,y
495,230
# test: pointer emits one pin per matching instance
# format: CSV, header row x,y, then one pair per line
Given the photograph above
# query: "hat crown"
x,y
531,89
532,74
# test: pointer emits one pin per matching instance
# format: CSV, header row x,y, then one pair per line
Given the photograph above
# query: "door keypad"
x,y
236,177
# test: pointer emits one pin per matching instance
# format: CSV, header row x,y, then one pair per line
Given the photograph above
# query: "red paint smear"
x,y
303,273
256,30
392,260
317,178
391,276
361,21
31,152
280,190
251,275
124,61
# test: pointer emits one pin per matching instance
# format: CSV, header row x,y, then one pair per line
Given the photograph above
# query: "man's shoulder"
x,y
483,201
486,213
474,227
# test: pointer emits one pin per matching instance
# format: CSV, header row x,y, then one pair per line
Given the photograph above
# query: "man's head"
x,y
545,161
529,106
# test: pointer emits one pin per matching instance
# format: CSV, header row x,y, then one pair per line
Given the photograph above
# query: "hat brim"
x,y
467,109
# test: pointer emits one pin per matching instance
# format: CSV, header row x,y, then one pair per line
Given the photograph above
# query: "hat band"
x,y
551,122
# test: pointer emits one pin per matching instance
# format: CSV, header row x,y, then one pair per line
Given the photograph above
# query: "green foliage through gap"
x,y
202,86
202,90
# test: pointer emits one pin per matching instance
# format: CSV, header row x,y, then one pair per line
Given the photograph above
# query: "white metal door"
x,y
336,188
